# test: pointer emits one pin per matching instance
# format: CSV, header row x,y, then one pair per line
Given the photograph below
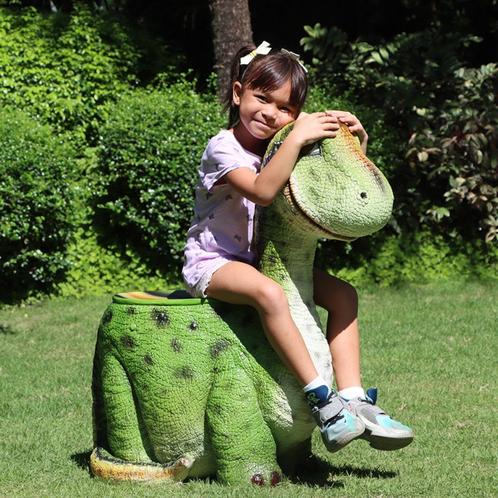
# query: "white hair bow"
x,y
294,56
263,49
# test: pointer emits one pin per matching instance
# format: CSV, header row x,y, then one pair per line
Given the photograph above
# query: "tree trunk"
x,y
231,24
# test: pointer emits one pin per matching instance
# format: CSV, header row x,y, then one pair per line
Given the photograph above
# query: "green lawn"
x,y
432,351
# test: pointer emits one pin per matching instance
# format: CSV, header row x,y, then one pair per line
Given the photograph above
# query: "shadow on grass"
x,y
82,460
6,330
318,472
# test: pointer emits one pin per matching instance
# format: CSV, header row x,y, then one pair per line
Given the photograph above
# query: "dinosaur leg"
x,y
129,456
242,442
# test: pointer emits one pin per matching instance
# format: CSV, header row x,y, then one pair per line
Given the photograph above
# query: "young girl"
x,y
267,92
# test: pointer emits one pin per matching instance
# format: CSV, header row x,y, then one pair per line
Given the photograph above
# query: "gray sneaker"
x,y
381,431
338,426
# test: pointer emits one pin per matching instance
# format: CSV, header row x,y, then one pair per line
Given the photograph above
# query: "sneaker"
x,y
381,431
337,425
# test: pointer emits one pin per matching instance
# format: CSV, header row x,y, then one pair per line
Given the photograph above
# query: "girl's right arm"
x,y
263,187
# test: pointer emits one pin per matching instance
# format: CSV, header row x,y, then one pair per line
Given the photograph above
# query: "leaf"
x,y
423,156
376,57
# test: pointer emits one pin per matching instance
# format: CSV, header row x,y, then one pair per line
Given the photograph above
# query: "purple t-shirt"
x,y
222,225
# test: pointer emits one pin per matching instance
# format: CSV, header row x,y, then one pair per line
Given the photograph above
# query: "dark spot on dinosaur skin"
x,y
218,347
272,259
176,345
131,310
275,478
258,479
193,325
127,342
160,317
185,373
107,317
148,359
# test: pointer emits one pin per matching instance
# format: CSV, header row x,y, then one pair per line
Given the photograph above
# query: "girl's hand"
x,y
309,128
354,125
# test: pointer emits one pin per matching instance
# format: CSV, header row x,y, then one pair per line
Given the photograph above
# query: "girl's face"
x,y
262,114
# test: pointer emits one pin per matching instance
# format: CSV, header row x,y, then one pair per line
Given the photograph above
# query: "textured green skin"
x,y
201,380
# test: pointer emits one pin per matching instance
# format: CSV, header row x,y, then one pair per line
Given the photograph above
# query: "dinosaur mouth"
x,y
289,192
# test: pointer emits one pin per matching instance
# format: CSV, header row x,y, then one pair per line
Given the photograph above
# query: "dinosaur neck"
x,y
287,250
286,253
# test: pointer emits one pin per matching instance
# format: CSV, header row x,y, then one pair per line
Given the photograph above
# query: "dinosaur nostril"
x,y
363,195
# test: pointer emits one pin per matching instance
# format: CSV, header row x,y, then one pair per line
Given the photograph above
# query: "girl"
x,y
267,92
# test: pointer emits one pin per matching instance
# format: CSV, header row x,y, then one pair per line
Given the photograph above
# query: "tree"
x,y
231,24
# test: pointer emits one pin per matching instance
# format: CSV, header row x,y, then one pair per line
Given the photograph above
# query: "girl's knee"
x,y
350,294
344,297
271,297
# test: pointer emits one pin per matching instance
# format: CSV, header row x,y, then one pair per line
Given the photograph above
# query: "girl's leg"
x,y
240,283
341,302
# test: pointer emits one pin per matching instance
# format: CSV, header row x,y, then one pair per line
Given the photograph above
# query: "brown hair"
x,y
266,73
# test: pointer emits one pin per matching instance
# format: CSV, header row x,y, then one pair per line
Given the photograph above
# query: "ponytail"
x,y
236,72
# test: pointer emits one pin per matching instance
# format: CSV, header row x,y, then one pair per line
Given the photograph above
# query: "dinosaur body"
x,y
191,387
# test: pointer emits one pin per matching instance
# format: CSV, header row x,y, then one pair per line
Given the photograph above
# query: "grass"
x,y
432,350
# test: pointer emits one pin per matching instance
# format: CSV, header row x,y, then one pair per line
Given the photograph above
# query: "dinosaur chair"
x,y
186,388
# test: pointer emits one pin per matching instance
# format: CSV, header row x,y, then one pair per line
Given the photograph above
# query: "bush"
x,y
409,258
456,149
36,205
62,68
149,154
96,269
444,114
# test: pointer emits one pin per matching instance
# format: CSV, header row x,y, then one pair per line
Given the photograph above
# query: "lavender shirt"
x,y
222,225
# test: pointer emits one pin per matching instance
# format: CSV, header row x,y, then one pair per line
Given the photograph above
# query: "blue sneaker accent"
x,y
388,423
317,395
372,394
337,425
381,431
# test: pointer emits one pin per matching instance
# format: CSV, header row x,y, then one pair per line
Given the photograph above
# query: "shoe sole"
x,y
385,441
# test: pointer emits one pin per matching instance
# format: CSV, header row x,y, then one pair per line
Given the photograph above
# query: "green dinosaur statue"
x,y
188,387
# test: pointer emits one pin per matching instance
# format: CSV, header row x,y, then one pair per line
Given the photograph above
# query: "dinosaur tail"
x,y
108,467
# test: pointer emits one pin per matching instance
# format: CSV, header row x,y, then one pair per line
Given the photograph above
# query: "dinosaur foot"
x,y
259,480
103,465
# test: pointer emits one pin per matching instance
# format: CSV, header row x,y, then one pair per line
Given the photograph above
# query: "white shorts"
x,y
204,270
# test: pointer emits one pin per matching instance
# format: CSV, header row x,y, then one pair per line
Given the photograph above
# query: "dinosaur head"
x,y
335,190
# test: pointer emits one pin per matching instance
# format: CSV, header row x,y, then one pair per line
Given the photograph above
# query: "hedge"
x,y
36,205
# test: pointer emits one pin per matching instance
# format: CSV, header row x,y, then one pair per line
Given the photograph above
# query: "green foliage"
x,y
62,69
457,150
96,269
36,205
148,159
444,114
420,257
